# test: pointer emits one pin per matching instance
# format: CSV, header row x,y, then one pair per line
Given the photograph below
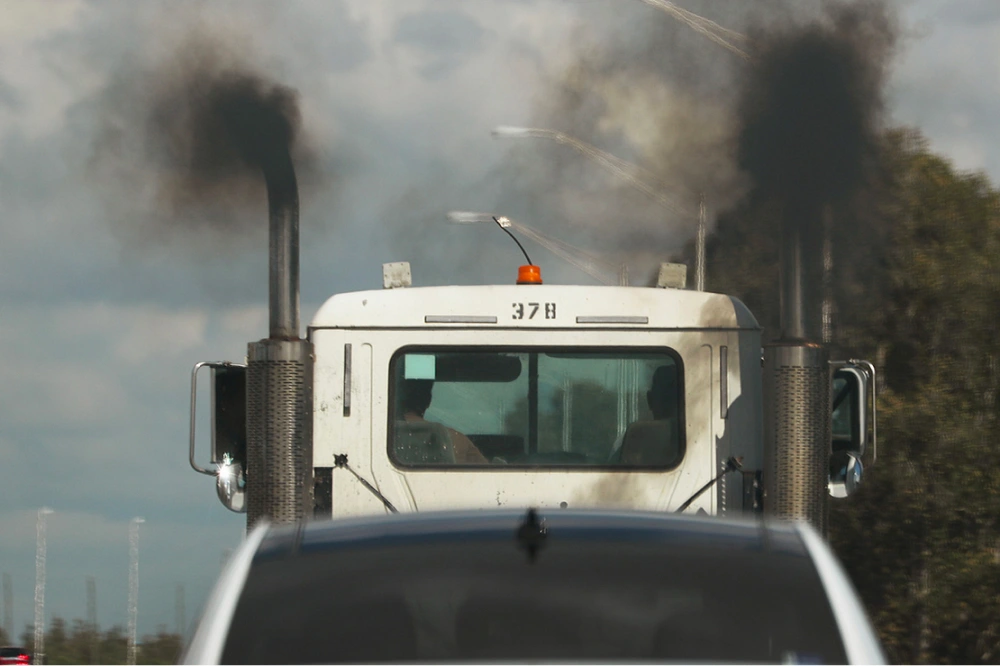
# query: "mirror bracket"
x,y
869,367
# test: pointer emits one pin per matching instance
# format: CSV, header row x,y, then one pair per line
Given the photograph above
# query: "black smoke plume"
x,y
221,127
218,127
655,92
194,139
793,129
811,107
810,121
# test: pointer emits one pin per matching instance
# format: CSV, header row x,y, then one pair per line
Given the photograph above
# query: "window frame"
x,y
673,354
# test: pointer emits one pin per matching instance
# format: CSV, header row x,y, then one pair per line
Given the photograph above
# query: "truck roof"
x,y
534,306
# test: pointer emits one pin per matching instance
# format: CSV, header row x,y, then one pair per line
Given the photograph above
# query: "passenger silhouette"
x,y
416,399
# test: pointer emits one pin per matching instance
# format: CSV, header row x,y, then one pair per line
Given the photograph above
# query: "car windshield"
x,y
476,597
536,407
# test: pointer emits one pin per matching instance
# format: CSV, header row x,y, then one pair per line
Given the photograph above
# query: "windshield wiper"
x,y
732,465
340,460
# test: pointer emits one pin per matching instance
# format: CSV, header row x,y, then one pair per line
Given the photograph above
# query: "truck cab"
x,y
529,395
536,395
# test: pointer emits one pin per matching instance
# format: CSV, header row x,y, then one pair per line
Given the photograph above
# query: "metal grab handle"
x,y
194,395
871,368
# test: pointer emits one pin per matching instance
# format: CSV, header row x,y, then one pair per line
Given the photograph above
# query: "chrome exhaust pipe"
x,y
279,371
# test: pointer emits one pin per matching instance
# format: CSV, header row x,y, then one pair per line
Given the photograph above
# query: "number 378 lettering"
x,y
530,310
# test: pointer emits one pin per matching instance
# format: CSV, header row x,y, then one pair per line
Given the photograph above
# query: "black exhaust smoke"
x,y
810,119
220,127
809,113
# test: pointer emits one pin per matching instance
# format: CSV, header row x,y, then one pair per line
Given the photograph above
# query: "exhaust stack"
x,y
279,370
283,241
796,401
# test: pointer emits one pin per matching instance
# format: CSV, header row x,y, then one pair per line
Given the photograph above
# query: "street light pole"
x,y
40,548
699,263
633,174
724,37
133,586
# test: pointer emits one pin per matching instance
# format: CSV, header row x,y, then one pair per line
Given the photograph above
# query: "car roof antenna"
x,y
532,533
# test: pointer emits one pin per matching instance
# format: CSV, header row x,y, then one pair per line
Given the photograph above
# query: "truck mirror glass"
x,y
230,485
850,410
845,474
852,381
229,424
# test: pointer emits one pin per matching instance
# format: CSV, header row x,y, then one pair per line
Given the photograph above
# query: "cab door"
x,y
342,423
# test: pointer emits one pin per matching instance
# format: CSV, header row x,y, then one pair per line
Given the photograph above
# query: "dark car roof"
x,y
501,584
563,524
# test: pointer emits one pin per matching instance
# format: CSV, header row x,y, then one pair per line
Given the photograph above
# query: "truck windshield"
x,y
536,407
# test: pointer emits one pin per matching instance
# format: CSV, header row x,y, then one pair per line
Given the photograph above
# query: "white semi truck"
x,y
529,395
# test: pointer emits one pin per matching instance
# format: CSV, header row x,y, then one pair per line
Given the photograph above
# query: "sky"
x,y
108,297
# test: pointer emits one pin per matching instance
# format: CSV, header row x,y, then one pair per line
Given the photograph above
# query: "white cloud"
x,y
45,88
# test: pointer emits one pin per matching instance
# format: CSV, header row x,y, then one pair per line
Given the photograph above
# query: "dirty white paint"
x,y
377,324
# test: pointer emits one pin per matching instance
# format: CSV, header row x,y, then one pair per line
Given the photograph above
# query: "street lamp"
x,y
706,27
633,174
636,176
40,548
590,264
133,586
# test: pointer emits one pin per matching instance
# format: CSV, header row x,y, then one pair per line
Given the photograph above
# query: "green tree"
x,y
57,645
924,529
114,646
161,648
593,421
916,288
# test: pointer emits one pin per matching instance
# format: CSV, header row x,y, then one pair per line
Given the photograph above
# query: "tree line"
x,y
79,642
916,288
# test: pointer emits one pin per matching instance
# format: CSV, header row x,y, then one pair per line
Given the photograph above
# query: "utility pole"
x,y
39,647
8,607
133,587
827,282
92,618
699,263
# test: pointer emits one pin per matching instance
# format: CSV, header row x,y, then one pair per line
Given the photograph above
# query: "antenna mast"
x,y
39,647
133,586
8,607
92,618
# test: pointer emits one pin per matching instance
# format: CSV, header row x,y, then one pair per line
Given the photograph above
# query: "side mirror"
x,y
852,381
229,438
845,474
230,485
229,414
